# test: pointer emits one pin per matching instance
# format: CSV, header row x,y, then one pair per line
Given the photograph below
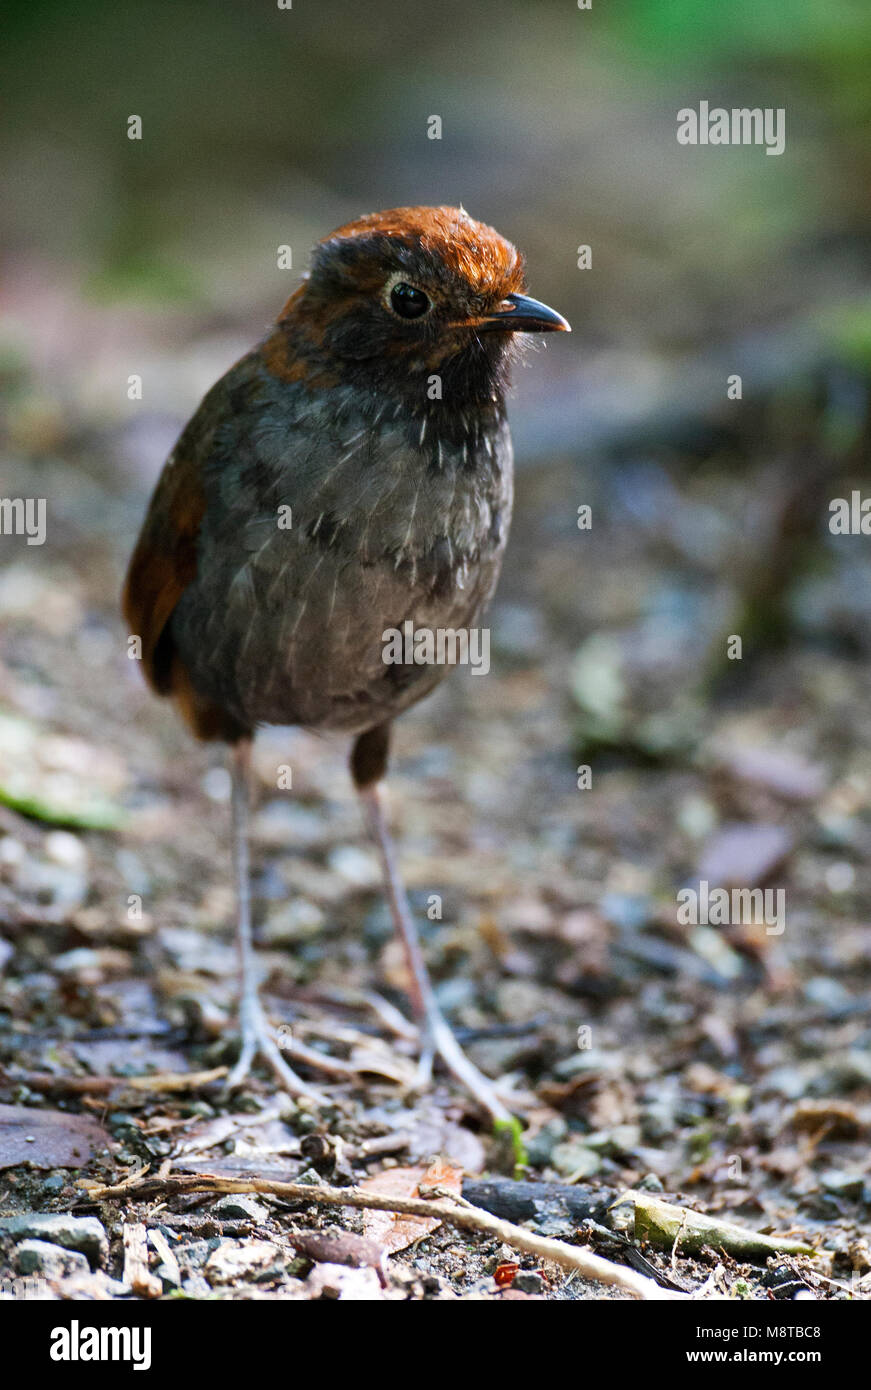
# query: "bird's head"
x,y
397,296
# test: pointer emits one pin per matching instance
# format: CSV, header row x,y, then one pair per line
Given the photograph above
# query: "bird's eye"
x,y
408,301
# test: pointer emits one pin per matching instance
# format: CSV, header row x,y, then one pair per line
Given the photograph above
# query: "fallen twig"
x,y
136,1271
167,1081
164,1251
455,1212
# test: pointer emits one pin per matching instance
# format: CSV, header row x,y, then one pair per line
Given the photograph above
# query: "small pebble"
x,y
234,1208
528,1281
83,1233
52,1261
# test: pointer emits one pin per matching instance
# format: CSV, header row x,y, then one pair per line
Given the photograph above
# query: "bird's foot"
x,y
439,1041
258,1041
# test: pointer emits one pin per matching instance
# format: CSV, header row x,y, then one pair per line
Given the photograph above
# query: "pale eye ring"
x,y
407,301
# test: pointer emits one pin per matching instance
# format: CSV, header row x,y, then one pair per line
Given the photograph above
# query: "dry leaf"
x,y
48,1138
392,1230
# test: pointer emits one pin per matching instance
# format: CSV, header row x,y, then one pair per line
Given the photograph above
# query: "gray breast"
x,y
285,623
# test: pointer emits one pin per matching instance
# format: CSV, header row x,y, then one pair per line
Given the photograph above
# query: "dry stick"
x,y
164,1251
136,1271
164,1082
337,1066
678,1234
456,1213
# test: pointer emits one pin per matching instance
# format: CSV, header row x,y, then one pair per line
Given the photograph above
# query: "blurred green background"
x,y
263,126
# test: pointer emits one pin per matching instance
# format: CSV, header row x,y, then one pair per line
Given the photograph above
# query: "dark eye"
x,y
408,301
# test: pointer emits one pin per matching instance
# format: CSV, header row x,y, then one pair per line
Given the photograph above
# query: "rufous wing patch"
x,y
163,564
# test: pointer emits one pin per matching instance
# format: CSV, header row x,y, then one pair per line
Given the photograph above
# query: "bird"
x,y
352,473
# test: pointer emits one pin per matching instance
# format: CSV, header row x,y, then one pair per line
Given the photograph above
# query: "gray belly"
x,y
287,626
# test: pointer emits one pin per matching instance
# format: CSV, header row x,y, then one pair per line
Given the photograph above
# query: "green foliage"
x,y
678,30
822,49
94,814
143,277
513,1131
848,329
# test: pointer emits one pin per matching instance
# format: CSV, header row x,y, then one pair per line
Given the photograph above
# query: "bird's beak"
x,y
520,314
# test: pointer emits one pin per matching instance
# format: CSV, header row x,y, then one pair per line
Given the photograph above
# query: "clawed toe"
x,y
439,1041
257,1041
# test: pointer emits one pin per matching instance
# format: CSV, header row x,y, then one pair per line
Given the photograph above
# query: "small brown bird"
x,y
373,418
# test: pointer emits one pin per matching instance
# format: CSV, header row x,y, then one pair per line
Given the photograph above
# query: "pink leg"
x,y
257,1039
435,1029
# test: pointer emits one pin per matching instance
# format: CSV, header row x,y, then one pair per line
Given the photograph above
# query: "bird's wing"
x,y
164,562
